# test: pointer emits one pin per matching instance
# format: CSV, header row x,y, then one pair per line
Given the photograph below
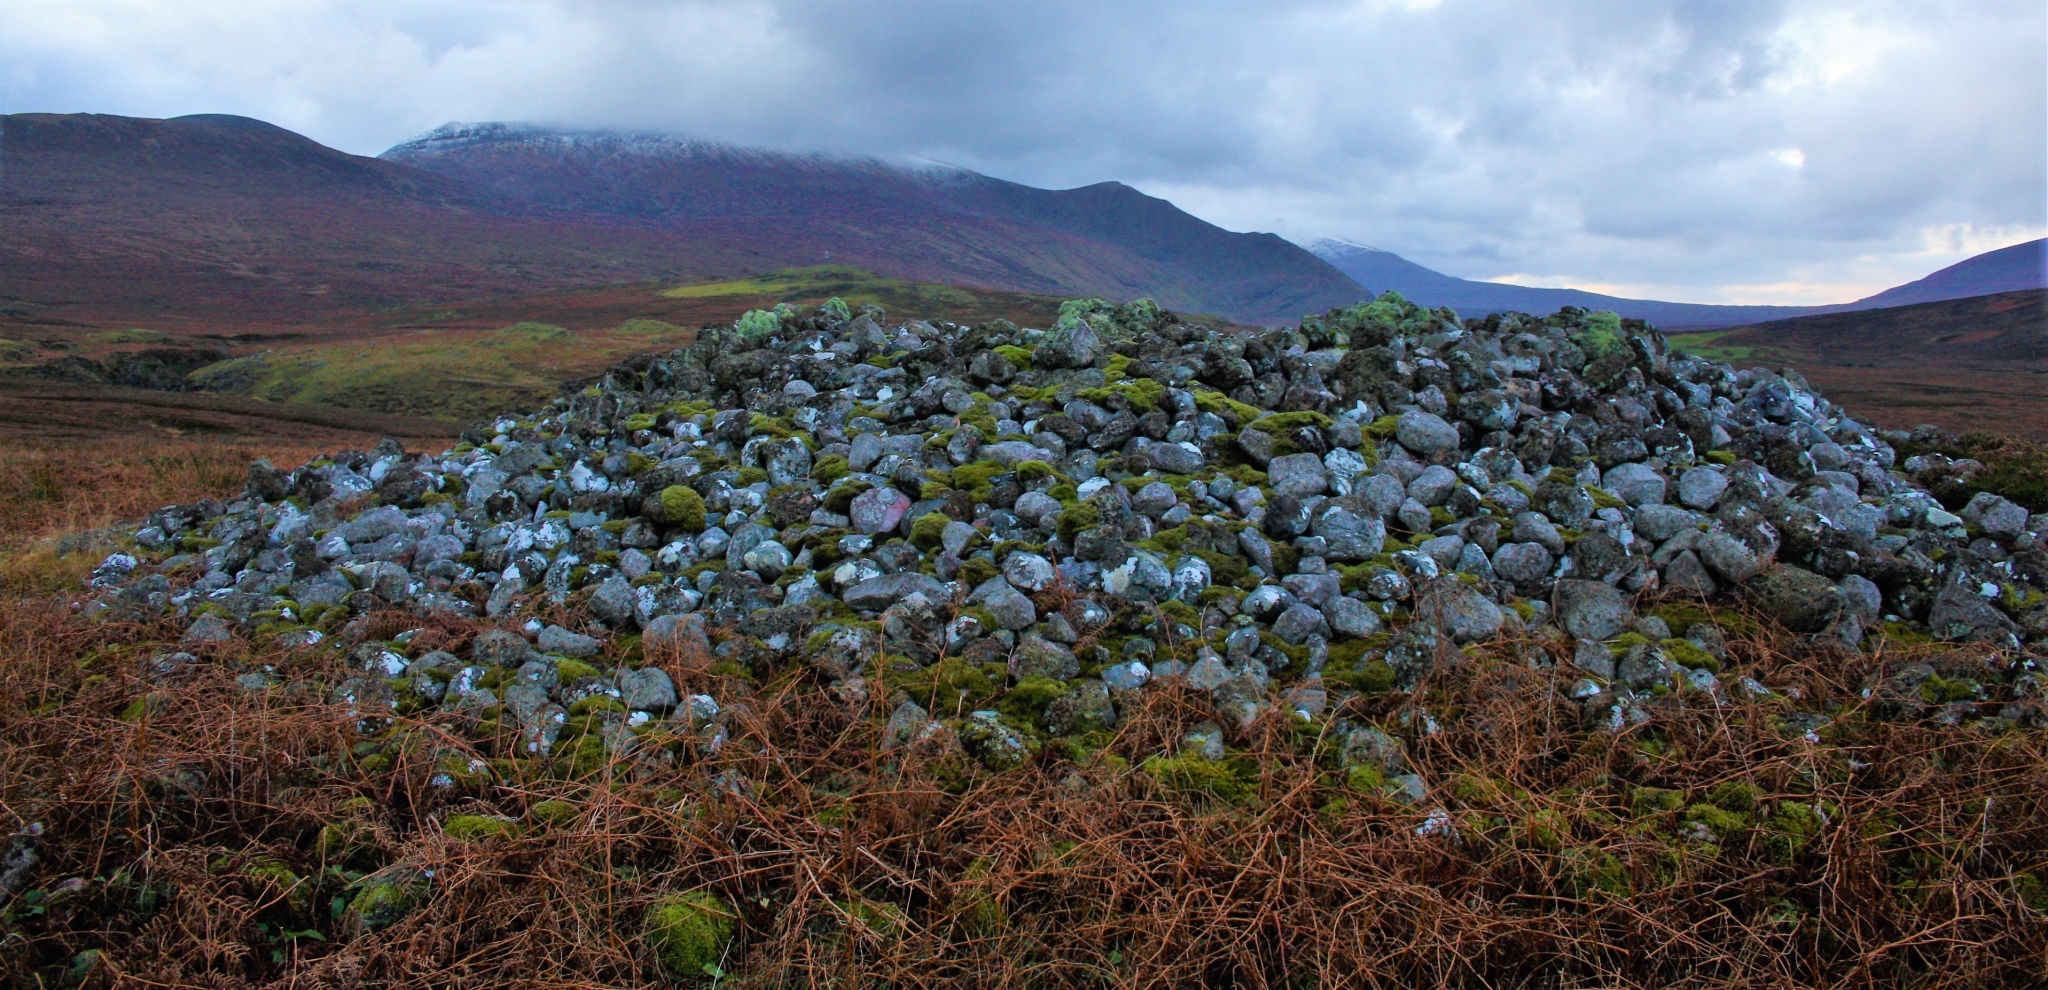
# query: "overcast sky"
x,y
1707,151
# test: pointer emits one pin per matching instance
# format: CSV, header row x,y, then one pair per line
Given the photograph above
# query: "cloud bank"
x,y
1694,150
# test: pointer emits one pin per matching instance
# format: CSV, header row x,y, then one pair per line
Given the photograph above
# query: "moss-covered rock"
x,y
554,812
689,932
477,828
384,899
682,506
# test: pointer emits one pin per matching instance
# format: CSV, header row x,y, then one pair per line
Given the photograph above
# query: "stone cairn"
x,y
936,521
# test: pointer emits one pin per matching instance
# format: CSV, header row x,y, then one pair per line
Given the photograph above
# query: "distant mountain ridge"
x,y
1178,259
2008,269
220,219
2011,269
213,217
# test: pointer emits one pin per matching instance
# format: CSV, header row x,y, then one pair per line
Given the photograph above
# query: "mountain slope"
x,y
1974,363
1113,240
1380,270
216,218
2008,269
2019,267
228,219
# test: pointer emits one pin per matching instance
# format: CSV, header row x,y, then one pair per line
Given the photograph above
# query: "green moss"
x,y
1223,780
926,531
1720,821
1028,700
1734,795
1906,635
1370,677
689,932
476,828
1939,690
1547,829
976,570
1030,471
1604,499
1599,334
1594,871
1279,424
1143,395
682,506
1722,457
752,476
980,914
596,703
1790,829
1647,801
1685,653
1076,518
1015,355
950,686
841,497
978,478
639,421
829,469
757,324
1224,569
1218,403
383,900
1383,427
1626,641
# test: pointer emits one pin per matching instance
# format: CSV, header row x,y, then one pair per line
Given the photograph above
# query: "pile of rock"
x,y
1068,515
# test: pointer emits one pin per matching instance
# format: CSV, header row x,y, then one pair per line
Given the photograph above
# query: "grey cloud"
x,y
1652,144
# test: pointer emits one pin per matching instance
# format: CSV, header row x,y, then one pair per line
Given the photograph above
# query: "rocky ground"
x,y
995,542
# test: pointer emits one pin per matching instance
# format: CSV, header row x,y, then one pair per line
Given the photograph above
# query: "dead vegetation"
x,y
195,833
198,834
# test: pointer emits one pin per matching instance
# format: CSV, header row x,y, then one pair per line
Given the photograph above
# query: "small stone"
x,y
1299,622
614,602
1592,609
1028,571
1467,616
1701,487
1427,434
1348,536
1522,563
1298,475
1658,523
1636,484
1728,557
208,628
1006,605
648,689
1351,618
1433,486
877,593
1594,658
1153,500
1038,657
879,510
555,639
1687,574
1034,506
1126,677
